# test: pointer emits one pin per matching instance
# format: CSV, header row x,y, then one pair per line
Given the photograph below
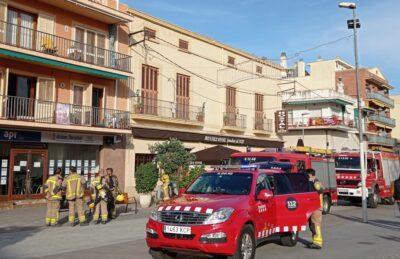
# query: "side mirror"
x,y
181,191
265,195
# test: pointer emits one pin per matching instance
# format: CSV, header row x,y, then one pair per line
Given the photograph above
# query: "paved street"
x,y
22,236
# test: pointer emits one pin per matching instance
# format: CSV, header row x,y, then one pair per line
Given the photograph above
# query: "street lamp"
x,y
354,24
302,122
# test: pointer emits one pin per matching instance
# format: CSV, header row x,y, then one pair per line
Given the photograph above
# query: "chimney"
x,y
301,68
283,60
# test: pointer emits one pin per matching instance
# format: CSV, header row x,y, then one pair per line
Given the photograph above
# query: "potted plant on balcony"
x,y
138,108
146,177
200,116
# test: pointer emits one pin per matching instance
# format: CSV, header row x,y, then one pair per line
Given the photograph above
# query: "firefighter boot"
x,y
317,239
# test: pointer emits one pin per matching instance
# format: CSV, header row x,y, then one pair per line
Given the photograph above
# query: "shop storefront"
x,y
143,137
29,157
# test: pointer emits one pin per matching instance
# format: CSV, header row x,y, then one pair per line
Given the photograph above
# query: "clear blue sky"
x,y
266,27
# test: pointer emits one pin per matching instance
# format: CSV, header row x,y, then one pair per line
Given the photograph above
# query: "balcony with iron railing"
x,y
262,126
390,122
17,108
234,121
381,140
380,97
318,95
54,46
330,122
151,109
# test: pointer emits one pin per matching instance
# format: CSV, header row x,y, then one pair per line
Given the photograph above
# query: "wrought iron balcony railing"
x,y
380,97
165,109
309,122
26,38
380,140
383,119
232,119
33,110
263,124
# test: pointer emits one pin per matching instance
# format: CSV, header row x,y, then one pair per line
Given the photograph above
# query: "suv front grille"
x,y
183,218
347,182
178,236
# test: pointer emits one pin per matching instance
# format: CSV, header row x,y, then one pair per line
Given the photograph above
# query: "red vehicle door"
x,y
294,201
263,209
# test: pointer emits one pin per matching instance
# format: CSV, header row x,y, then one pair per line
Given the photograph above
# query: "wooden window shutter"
x,y
183,44
45,89
149,33
231,60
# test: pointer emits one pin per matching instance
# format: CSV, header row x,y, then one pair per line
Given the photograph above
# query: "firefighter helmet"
x,y
120,198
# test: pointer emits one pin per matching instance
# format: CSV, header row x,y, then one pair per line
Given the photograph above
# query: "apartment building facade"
x,y
375,92
319,111
195,89
327,80
64,69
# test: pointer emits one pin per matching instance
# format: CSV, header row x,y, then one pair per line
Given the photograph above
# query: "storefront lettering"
x,y
281,119
69,138
217,139
19,136
10,135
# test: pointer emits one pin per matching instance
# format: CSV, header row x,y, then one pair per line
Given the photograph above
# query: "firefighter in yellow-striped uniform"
x,y
100,196
74,186
53,189
316,217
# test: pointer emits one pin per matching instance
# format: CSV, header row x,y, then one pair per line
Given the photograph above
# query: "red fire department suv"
x,y
229,212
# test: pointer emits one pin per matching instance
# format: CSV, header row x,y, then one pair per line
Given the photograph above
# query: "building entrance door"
x,y
28,172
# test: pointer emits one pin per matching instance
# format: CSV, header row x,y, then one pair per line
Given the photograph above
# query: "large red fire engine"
x,y
324,165
229,212
382,169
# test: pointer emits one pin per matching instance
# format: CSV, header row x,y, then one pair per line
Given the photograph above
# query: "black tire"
x,y
160,254
290,239
326,204
374,199
246,235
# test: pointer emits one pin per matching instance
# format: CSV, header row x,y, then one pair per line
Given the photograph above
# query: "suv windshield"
x,y
222,183
347,162
250,160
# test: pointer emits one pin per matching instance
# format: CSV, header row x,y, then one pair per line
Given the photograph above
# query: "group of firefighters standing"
x,y
104,190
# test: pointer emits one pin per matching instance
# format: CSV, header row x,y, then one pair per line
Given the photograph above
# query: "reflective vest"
x,y
51,184
74,186
320,190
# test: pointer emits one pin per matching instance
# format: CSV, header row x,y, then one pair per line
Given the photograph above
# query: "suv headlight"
x,y
219,216
155,215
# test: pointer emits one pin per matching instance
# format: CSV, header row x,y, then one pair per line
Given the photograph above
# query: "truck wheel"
x,y
373,199
246,245
326,204
159,254
290,239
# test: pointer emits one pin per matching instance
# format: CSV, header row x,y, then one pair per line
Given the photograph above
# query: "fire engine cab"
x,y
229,212
301,158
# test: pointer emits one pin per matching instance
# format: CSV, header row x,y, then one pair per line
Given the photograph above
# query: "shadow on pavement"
x,y
390,238
386,224
14,234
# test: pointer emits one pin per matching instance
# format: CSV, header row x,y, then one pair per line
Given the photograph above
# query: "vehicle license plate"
x,y
177,230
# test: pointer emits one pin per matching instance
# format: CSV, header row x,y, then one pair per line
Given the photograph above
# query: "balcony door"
x,y
45,106
230,116
77,108
97,106
90,46
20,28
150,90
182,96
20,101
259,113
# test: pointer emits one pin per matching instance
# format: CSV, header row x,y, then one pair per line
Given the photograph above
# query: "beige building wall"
x,y
318,139
395,114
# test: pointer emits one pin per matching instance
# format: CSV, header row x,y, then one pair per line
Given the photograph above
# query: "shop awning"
x,y
214,155
46,61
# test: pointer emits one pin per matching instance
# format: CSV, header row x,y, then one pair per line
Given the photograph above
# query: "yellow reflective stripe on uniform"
x,y
78,187
69,194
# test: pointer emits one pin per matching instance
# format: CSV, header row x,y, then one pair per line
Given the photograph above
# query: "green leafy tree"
x,y
190,176
146,177
172,157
